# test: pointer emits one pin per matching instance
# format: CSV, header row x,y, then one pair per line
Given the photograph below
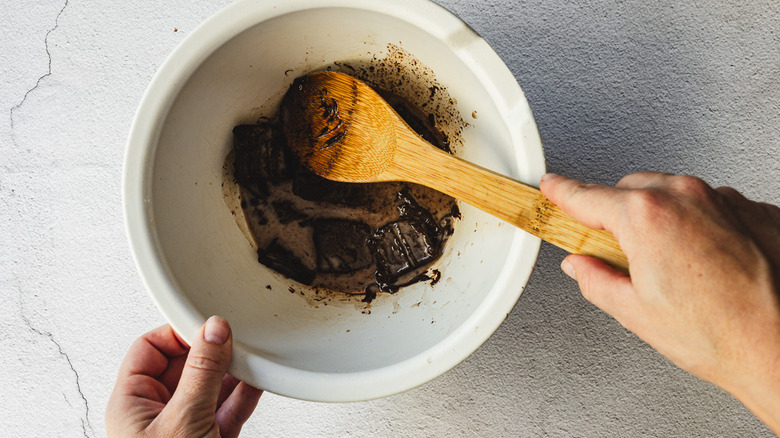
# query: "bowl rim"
x,y
182,315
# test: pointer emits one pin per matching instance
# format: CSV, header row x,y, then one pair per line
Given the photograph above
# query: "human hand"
x,y
704,282
166,388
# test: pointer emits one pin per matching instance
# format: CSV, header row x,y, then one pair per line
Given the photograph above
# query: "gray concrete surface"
x,y
616,87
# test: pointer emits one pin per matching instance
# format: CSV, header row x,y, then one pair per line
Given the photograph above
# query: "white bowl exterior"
x,y
195,261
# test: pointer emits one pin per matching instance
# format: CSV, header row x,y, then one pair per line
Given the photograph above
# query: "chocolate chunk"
x,y
423,125
311,187
402,246
258,189
341,245
260,154
259,216
370,293
455,212
447,224
410,209
286,212
282,260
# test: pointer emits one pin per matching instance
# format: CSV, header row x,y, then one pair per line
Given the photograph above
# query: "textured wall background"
x,y
616,86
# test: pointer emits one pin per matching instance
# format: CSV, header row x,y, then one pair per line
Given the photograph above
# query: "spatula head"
x,y
339,127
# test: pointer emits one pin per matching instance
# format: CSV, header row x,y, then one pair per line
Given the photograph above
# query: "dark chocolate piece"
x,y
381,285
311,187
259,216
282,260
260,154
286,212
447,223
400,247
423,125
409,208
370,292
341,245
258,189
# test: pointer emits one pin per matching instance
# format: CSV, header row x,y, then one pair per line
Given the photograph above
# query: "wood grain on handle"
x,y
515,202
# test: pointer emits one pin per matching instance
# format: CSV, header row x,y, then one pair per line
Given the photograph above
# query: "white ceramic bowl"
x,y
195,261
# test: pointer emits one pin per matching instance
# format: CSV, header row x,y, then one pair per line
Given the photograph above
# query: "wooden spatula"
x,y
343,130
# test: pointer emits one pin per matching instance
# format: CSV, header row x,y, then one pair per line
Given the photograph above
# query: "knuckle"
x,y
204,362
627,178
575,188
233,420
646,205
770,211
730,197
580,191
728,191
583,188
140,344
636,179
691,186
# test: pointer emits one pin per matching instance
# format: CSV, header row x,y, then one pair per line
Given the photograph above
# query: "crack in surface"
x,y
84,421
42,77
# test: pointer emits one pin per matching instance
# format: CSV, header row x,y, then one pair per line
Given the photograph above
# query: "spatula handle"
x,y
513,201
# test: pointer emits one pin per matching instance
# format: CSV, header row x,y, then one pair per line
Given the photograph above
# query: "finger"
x,y
201,379
229,383
607,288
236,409
757,219
759,211
594,205
741,209
643,180
149,354
146,387
170,377
133,403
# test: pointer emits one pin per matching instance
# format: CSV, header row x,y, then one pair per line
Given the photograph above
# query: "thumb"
x,y
606,287
195,398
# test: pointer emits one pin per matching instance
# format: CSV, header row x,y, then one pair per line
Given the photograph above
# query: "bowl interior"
x,y
213,269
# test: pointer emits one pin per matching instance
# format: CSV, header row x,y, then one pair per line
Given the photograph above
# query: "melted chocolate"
x,y
353,238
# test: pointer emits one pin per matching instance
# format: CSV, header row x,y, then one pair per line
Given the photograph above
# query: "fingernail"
x,y
568,268
217,330
548,177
